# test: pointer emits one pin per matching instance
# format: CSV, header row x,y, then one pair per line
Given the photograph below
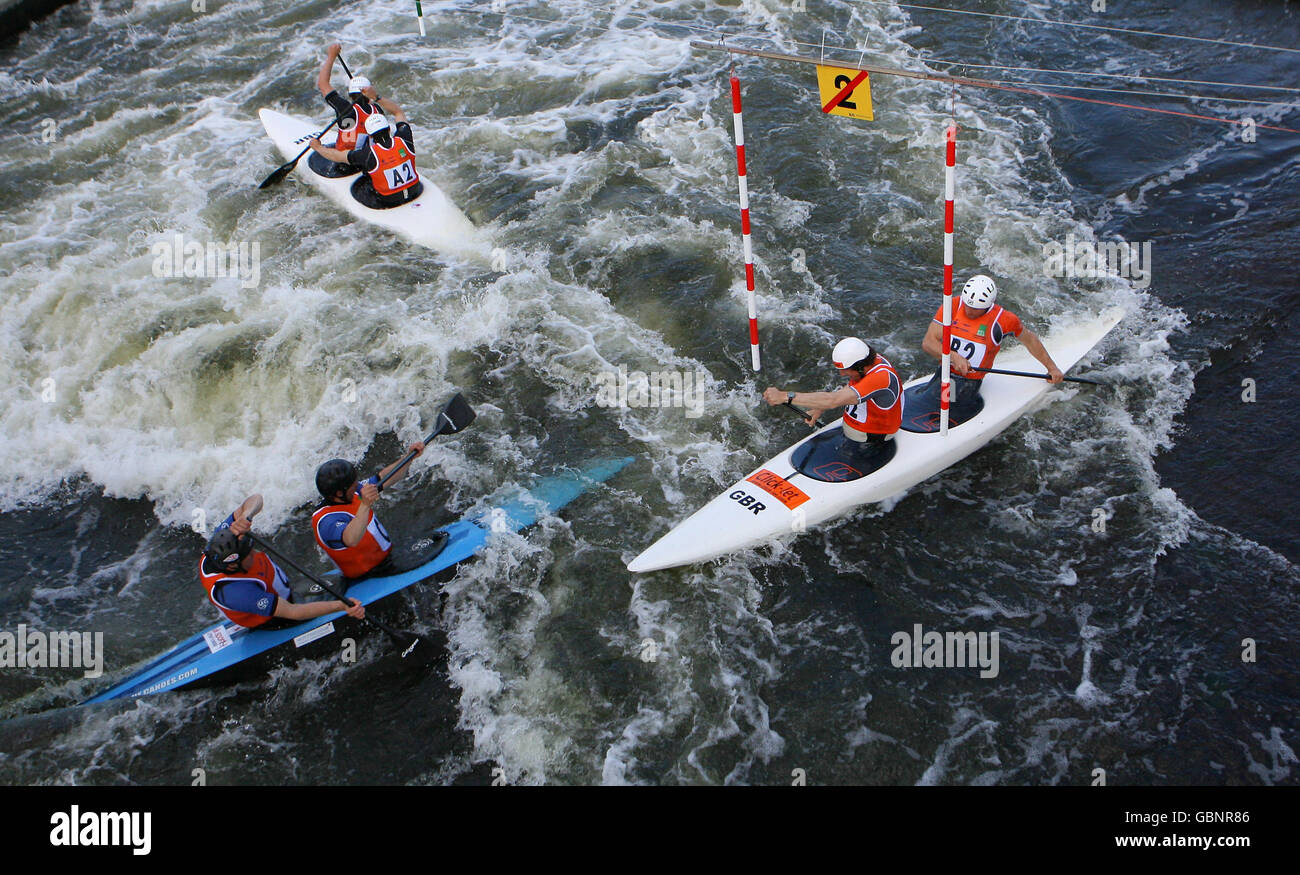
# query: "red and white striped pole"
x,y
744,220
949,187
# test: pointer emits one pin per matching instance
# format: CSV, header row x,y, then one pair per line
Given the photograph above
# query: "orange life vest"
x,y
881,409
348,137
264,573
354,561
396,166
978,339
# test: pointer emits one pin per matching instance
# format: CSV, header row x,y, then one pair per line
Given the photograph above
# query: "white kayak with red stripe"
x,y
430,220
787,493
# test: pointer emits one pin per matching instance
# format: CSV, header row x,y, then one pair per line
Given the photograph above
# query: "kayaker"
x,y
872,400
978,330
345,524
387,160
352,112
246,586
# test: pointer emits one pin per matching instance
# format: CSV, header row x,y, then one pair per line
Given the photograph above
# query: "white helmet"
x,y
848,352
376,122
358,84
979,293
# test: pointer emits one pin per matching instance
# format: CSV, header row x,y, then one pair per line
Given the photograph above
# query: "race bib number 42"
x,y
400,175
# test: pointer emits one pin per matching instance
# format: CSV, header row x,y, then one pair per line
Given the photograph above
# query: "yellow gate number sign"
x,y
845,92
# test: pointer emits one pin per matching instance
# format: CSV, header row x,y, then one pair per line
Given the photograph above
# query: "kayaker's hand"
x,y
774,396
417,447
960,365
356,610
369,494
333,50
314,143
814,414
1054,375
240,526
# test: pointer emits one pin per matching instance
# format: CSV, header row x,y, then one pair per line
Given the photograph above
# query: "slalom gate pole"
x,y
744,221
949,186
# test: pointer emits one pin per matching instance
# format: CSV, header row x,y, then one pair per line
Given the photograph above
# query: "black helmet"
x,y
226,548
335,476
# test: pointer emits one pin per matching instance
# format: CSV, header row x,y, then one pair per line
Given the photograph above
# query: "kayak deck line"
x,y
753,511
224,644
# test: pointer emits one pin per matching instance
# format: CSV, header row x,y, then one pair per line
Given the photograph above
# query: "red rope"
x,y
1208,118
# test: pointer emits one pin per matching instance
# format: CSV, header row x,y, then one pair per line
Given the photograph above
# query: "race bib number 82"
x,y
968,349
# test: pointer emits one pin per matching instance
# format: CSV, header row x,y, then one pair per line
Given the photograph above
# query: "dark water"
x,y
599,158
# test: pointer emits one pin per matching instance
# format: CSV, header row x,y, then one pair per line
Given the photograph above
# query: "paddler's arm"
x,y
816,403
1038,351
933,346
244,514
323,77
417,448
356,530
392,110
290,611
336,155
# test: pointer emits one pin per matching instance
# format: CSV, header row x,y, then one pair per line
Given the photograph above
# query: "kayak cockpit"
x,y
833,458
921,408
322,166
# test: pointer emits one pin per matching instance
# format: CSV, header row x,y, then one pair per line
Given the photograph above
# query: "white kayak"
x,y
813,481
430,220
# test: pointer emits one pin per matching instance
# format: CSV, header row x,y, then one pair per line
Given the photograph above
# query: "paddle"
x,y
803,413
407,639
1038,376
454,417
285,169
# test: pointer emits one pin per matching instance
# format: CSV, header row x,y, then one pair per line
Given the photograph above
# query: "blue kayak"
x,y
225,644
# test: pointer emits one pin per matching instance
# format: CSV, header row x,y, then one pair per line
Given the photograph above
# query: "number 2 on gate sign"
x,y
842,81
